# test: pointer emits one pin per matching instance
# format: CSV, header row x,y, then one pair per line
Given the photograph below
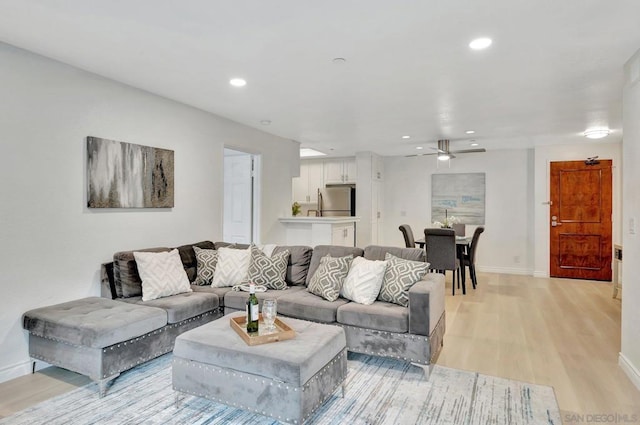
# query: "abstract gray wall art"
x,y
124,175
462,195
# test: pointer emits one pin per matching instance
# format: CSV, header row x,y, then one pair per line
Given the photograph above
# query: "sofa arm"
x,y
426,304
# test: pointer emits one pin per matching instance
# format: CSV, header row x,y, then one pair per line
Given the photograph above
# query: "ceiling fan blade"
x,y
470,150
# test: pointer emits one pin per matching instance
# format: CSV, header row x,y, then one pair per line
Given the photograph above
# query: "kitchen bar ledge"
x,y
313,231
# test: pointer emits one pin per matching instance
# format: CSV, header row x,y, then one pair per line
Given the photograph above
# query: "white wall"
x,y
546,154
630,351
51,244
516,239
506,243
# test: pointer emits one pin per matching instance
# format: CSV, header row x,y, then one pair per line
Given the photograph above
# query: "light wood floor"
x,y
557,332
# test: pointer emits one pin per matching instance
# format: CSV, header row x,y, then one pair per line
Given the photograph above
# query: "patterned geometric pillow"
x,y
232,267
268,271
400,276
162,274
206,259
327,281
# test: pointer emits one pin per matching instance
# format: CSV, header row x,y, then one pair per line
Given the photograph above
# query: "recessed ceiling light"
x,y
406,137
597,133
265,122
338,60
307,152
238,82
480,43
419,147
474,144
469,131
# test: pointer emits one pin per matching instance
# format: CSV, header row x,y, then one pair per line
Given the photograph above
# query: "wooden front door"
x,y
581,220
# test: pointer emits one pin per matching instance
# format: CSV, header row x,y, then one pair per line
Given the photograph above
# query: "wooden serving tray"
x,y
281,333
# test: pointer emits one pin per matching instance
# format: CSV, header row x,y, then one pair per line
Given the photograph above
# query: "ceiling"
x,y
554,68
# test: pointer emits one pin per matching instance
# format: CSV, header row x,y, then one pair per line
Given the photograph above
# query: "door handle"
x,y
555,223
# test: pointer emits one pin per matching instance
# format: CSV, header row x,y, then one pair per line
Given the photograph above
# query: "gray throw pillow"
x,y
399,277
327,281
268,271
206,261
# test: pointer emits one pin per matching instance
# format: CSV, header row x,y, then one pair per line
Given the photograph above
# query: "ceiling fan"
x,y
444,153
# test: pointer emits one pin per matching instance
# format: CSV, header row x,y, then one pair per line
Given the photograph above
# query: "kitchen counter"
x,y
312,231
333,219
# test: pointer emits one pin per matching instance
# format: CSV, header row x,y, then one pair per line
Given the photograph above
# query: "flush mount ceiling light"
x,y
597,133
480,43
470,131
308,152
238,82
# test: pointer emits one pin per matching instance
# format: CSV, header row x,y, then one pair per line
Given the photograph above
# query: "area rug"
x,y
379,391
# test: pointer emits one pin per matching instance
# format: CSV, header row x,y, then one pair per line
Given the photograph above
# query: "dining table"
x,y
462,246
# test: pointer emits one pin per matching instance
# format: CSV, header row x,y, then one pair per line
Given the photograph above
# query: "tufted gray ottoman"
x,y
96,337
287,380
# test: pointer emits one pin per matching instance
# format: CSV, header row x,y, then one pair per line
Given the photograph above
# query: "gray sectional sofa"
x,y
91,336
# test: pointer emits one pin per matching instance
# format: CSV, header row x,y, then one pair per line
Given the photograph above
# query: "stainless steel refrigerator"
x,y
339,200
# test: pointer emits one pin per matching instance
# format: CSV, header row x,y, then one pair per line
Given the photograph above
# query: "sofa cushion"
x,y
268,271
332,250
298,265
188,257
328,279
364,280
208,289
376,252
305,305
232,267
125,272
399,276
238,299
182,306
206,262
380,316
93,322
162,274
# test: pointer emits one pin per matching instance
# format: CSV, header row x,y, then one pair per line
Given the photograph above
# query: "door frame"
x,y
256,189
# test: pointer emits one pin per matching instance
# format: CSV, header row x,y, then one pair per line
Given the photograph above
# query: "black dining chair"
x,y
408,235
469,258
442,254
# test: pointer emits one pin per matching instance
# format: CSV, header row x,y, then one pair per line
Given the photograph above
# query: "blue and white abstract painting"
x,y
124,175
461,195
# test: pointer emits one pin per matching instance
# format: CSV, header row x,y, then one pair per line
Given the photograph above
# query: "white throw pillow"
x,y
232,267
162,274
364,280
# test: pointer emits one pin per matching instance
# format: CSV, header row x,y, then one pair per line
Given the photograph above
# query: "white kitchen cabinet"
x,y
377,168
343,235
313,231
305,187
340,171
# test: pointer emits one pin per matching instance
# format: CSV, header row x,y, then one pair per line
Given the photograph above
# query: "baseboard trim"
x,y
15,371
504,270
629,369
540,274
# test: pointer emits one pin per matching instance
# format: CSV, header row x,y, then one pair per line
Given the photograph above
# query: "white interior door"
x,y
238,197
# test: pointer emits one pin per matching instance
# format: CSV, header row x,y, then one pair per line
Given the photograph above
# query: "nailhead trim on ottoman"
x,y
269,396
